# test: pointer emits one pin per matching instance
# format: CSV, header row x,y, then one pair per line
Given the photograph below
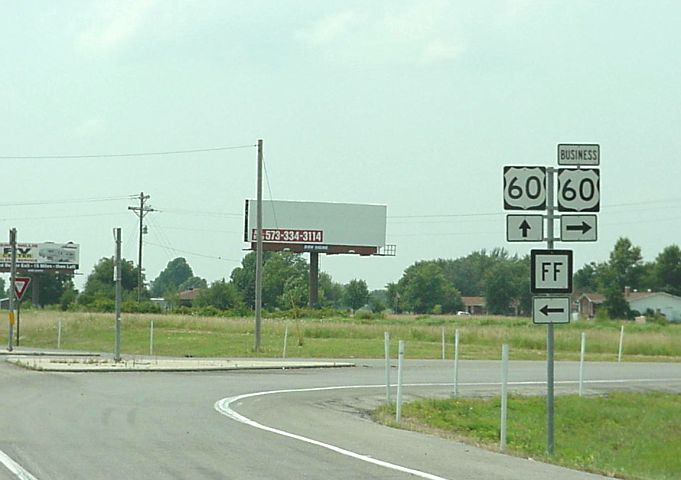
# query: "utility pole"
x,y
141,211
12,279
117,280
258,253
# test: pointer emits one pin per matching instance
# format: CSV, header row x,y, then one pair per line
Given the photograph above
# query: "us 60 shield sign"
x,y
524,188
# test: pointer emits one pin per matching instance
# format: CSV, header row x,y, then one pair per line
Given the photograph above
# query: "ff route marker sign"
x,y
550,310
524,188
579,154
551,271
578,228
20,286
524,228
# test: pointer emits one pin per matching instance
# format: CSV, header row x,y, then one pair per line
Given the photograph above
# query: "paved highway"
x,y
197,425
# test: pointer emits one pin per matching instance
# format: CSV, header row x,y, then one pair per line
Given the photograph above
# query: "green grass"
x,y
346,337
628,435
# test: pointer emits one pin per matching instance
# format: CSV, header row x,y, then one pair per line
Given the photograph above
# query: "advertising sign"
x,y
39,257
317,226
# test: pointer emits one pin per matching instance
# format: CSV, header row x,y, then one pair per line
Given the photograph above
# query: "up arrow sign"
x,y
551,309
524,228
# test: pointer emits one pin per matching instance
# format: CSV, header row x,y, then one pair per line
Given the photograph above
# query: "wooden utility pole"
x,y
141,211
258,254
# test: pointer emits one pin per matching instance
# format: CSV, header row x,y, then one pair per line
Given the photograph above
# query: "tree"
x,y
330,292
356,294
624,269
278,268
192,283
587,278
176,272
100,283
500,289
221,295
667,270
423,286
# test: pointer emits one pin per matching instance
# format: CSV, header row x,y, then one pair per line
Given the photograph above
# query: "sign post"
x,y
533,188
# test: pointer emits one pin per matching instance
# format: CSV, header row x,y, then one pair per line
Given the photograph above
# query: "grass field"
x,y
628,435
480,337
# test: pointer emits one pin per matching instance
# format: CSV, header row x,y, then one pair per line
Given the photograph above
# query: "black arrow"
x,y
546,310
584,227
525,227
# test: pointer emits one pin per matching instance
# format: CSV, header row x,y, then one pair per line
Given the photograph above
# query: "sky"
x,y
413,104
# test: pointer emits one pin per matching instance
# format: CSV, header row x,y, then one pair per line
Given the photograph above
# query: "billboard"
x,y
40,257
318,226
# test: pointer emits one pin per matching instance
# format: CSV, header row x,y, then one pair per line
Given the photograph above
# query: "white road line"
x,y
224,407
15,468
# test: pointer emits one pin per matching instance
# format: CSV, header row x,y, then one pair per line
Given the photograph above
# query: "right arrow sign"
x,y
578,228
551,309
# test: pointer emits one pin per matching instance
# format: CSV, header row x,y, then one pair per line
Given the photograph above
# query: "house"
x,y
658,302
475,305
187,297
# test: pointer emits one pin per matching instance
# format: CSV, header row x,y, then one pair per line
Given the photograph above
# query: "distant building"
x,y
475,305
187,297
658,302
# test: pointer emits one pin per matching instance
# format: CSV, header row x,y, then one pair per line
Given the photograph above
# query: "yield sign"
x,y
21,285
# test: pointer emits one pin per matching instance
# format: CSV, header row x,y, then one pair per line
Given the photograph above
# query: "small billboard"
x,y
40,257
318,226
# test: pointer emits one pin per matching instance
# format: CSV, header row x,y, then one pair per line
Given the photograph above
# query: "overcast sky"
x,y
417,105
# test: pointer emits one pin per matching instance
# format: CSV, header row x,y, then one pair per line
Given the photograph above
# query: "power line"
x,y
66,201
194,253
137,154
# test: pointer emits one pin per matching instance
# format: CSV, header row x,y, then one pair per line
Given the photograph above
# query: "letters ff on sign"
x,y
524,188
579,190
551,271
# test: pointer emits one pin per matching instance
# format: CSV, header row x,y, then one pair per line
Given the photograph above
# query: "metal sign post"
x,y
534,188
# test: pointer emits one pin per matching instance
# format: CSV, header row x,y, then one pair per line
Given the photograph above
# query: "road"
x,y
176,425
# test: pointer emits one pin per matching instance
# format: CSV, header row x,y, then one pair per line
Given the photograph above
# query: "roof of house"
x,y
190,294
473,301
629,297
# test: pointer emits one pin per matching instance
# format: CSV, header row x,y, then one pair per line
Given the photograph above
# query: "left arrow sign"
x,y
551,309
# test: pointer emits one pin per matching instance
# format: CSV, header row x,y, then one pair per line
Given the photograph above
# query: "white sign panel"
x,y
551,271
318,223
550,310
41,256
524,228
524,188
580,154
578,228
579,190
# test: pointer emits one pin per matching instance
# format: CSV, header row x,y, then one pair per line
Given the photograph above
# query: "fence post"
x,y
283,353
400,364
151,338
619,353
59,334
504,395
581,364
456,362
443,343
386,348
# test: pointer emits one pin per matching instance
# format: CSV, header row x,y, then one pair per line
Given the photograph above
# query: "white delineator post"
x,y
386,347
59,334
619,353
504,395
283,354
581,363
400,364
443,343
151,338
456,362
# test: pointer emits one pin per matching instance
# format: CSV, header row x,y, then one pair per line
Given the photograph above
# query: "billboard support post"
x,y
314,280
258,254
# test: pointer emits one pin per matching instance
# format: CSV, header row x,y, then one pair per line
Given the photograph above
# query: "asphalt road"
x,y
178,425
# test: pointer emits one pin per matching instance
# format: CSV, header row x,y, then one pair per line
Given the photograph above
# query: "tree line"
x,y
428,286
